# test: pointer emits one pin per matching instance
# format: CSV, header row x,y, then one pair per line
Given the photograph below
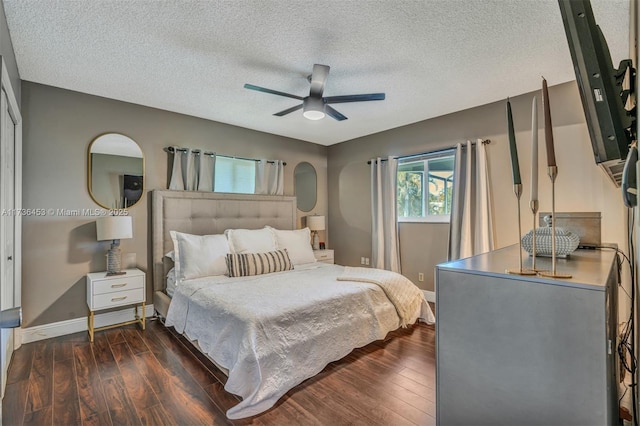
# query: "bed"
x,y
270,332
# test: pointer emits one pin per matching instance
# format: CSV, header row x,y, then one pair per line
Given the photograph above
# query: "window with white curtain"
x,y
424,186
235,175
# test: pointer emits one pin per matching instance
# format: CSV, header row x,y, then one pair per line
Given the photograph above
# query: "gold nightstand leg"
x,y
91,326
141,318
144,317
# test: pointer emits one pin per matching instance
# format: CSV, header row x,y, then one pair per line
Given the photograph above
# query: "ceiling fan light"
x,y
313,115
313,109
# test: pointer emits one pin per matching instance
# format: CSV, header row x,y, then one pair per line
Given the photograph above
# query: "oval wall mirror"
x,y
115,171
305,186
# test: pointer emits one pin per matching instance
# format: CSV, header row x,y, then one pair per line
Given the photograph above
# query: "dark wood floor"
x,y
129,376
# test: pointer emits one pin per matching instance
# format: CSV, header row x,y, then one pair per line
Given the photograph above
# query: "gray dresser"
x,y
515,350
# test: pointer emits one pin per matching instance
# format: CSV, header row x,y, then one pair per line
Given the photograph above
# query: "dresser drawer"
x,y
123,297
119,284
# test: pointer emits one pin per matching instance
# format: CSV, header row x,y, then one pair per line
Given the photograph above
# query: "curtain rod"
x,y
198,152
402,157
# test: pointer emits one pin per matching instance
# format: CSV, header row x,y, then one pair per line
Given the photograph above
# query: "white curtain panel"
x,y
191,171
484,232
176,181
471,227
269,177
206,172
385,253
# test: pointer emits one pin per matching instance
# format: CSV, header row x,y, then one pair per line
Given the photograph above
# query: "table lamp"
x,y
114,228
315,224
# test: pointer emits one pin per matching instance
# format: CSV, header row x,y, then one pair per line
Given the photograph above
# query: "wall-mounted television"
x,y
611,126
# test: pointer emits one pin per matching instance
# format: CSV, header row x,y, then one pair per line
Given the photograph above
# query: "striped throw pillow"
x,y
246,264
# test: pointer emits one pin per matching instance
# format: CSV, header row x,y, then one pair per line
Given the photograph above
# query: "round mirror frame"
x,y
89,170
300,201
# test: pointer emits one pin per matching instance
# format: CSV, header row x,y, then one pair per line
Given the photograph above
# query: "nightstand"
x,y
324,256
105,292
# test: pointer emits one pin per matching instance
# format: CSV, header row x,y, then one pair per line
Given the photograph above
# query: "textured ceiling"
x,y
430,57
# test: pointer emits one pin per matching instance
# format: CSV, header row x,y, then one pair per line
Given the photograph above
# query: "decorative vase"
x,y
566,241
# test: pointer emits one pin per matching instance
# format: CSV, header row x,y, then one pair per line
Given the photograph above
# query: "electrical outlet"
x,y
366,261
362,260
420,276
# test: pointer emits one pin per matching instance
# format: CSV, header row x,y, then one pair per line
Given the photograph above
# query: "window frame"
x,y
442,218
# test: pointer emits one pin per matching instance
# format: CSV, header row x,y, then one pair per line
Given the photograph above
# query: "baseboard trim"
x,y
62,328
430,295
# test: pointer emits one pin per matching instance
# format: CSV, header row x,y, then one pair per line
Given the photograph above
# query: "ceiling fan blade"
x,y
288,110
354,98
273,92
333,113
318,79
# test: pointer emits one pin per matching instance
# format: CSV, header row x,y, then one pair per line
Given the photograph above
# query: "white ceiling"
x,y
430,57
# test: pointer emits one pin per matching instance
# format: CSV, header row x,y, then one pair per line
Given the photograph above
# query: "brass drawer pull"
x,y
118,285
117,299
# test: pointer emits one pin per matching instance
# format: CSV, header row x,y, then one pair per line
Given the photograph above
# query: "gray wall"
x,y
6,51
581,185
58,250
59,125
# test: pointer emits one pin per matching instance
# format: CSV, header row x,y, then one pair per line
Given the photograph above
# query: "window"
x,y
235,175
424,188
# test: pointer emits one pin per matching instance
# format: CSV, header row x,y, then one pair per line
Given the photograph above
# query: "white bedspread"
x,y
404,295
274,331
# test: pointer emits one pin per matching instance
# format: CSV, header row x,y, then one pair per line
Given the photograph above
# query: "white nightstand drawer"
x,y
115,284
110,300
324,256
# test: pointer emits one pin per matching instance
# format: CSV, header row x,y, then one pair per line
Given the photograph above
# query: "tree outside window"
x,y
424,188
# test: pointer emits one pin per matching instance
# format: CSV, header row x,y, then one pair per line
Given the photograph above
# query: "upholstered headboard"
x,y
205,213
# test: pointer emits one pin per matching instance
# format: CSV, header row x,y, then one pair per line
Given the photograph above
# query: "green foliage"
x,y
409,194
412,187
410,200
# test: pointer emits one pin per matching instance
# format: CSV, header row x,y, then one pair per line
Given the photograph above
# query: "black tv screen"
x,y
131,189
600,84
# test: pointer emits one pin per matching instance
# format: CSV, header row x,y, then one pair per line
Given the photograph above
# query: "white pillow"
x,y
297,243
251,240
199,255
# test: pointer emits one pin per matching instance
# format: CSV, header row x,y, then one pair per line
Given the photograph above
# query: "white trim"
x,y
11,96
16,116
434,218
430,295
62,328
17,339
17,192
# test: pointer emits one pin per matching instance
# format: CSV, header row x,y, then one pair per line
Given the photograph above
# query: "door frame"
x,y
14,112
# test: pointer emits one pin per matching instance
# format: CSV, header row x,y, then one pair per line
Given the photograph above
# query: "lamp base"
x,y
114,260
316,241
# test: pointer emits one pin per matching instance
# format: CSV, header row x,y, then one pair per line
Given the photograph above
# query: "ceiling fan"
x,y
315,106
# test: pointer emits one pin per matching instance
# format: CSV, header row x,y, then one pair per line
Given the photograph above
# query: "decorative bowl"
x,y
566,242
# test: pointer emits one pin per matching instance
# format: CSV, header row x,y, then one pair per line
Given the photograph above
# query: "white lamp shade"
x,y
114,228
315,223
